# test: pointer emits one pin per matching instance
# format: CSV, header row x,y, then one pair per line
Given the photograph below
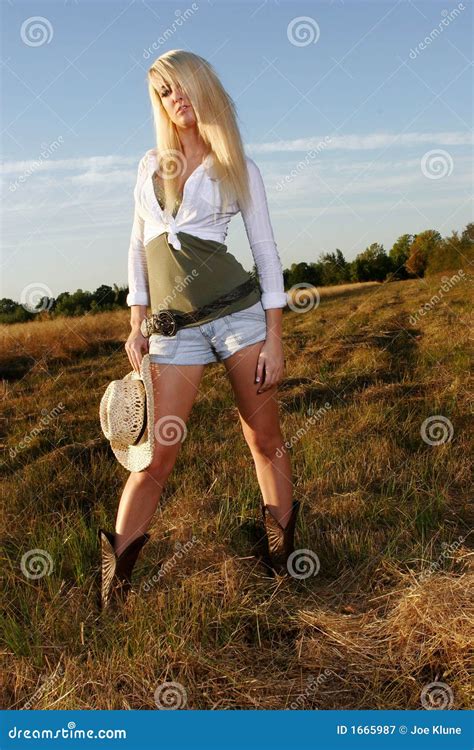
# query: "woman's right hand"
x,y
136,347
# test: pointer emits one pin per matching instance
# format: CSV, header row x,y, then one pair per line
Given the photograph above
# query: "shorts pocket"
x,y
165,346
249,324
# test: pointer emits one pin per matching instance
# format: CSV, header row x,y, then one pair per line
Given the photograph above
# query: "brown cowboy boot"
x,y
279,541
116,570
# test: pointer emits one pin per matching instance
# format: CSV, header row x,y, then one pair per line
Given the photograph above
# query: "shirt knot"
x,y
173,235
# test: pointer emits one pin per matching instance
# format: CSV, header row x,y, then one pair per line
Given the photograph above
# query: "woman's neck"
x,y
192,143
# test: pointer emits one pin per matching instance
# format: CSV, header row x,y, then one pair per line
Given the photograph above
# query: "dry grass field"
x,y
377,409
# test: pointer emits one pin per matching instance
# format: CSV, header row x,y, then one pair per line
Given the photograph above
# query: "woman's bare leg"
x,y
261,427
174,388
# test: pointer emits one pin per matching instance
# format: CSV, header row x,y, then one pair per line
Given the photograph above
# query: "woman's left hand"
x,y
271,364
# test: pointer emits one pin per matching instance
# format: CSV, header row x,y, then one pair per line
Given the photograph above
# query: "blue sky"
x,y
359,115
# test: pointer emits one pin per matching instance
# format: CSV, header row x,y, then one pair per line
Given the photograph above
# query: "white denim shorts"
x,y
210,342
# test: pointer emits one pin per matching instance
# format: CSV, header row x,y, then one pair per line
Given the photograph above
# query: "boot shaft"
x,y
279,539
116,570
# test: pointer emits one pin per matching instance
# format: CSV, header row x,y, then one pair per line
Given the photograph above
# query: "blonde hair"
x,y
216,121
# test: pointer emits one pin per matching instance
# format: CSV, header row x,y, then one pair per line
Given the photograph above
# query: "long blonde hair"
x,y
216,121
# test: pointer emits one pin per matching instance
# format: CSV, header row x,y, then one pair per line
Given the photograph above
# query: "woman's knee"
x,y
265,444
163,461
158,470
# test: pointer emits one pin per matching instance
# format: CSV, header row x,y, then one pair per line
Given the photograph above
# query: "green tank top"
x,y
197,274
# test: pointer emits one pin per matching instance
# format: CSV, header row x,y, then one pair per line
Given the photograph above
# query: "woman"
x,y
187,190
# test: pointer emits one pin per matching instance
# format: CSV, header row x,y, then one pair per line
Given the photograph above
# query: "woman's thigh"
x,y
258,412
175,388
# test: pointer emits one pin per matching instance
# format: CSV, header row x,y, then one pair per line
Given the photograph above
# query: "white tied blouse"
x,y
200,214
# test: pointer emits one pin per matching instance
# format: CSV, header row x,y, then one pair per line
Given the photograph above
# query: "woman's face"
x,y
177,106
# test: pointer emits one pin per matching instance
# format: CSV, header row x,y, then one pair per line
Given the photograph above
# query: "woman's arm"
x,y
138,296
262,243
270,368
137,314
274,317
138,292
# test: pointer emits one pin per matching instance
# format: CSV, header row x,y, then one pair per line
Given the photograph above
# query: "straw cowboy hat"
x,y
126,417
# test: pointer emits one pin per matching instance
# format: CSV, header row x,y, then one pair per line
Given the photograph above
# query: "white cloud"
x,y
364,142
82,164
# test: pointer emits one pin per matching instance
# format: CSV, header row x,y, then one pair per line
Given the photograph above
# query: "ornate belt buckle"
x,y
166,322
145,327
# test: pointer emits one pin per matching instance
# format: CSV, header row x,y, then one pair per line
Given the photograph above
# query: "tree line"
x,y
411,256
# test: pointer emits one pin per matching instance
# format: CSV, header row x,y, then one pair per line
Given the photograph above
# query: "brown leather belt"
x,y
167,322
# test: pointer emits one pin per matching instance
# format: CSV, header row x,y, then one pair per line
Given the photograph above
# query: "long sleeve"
x,y
138,290
262,242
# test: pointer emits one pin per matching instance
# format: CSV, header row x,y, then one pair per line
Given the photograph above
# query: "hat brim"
x,y
138,457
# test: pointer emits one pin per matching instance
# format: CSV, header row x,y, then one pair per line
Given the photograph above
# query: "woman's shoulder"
x,y
254,173
147,160
252,167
